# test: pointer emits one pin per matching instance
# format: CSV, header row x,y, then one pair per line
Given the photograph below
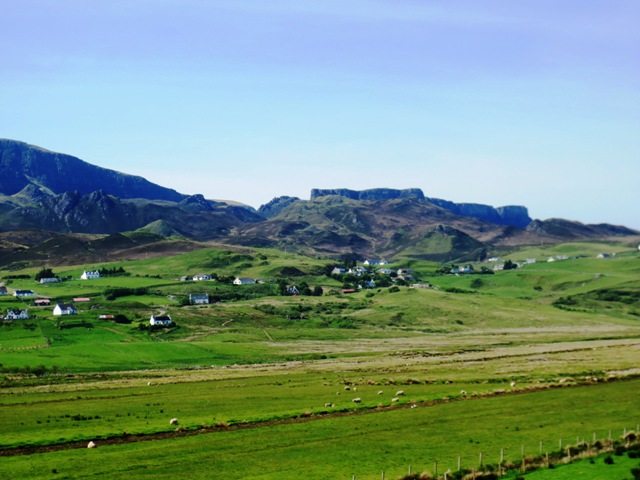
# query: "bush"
x,y
608,460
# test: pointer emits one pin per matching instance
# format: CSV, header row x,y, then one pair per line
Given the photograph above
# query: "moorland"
x,y
440,372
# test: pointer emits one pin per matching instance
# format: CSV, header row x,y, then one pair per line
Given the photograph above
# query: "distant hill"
x,y
23,165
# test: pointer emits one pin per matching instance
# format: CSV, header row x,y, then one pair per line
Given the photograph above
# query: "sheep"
x,y
347,388
91,444
356,400
380,392
463,393
173,421
395,399
328,405
513,384
399,393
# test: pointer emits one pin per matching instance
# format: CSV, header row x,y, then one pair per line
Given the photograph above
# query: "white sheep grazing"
x,y
149,384
463,393
173,421
328,404
395,399
380,392
347,387
356,400
399,393
513,384
91,445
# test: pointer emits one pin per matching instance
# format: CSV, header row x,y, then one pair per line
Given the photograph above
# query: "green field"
x,y
263,384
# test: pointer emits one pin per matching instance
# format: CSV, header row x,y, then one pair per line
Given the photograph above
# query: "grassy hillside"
x,y
548,351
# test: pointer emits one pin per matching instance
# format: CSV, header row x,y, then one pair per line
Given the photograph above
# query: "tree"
x,y
44,273
317,291
509,265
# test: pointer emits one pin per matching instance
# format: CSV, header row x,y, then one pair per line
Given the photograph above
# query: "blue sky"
x,y
529,102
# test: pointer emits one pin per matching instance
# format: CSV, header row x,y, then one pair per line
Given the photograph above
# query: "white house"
x,y
201,278
11,315
160,320
24,293
50,280
384,271
338,271
64,309
244,281
86,275
374,262
199,298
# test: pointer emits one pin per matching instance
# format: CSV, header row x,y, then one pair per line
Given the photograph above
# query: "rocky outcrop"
x,y
275,206
372,194
515,216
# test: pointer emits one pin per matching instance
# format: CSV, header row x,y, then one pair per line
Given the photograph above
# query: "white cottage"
x,y
160,320
86,275
64,309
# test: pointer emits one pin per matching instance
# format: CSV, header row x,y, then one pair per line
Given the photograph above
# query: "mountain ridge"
x,y
36,195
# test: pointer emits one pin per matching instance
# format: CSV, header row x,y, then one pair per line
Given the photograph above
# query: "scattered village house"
x,y
11,315
24,293
50,280
244,281
64,309
338,271
201,278
87,275
42,302
293,290
160,320
3,290
199,298
384,271
374,262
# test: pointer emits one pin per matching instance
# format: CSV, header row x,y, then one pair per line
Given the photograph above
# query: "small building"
x,y
164,320
384,271
50,280
293,290
42,302
244,281
81,299
88,275
185,278
199,298
375,262
106,317
201,278
338,271
12,315
3,290
64,309
24,293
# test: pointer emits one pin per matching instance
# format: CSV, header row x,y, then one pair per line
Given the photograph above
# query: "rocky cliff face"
x,y
372,194
275,206
22,165
515,216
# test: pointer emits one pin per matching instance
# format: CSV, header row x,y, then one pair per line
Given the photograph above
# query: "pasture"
x,y
263,385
